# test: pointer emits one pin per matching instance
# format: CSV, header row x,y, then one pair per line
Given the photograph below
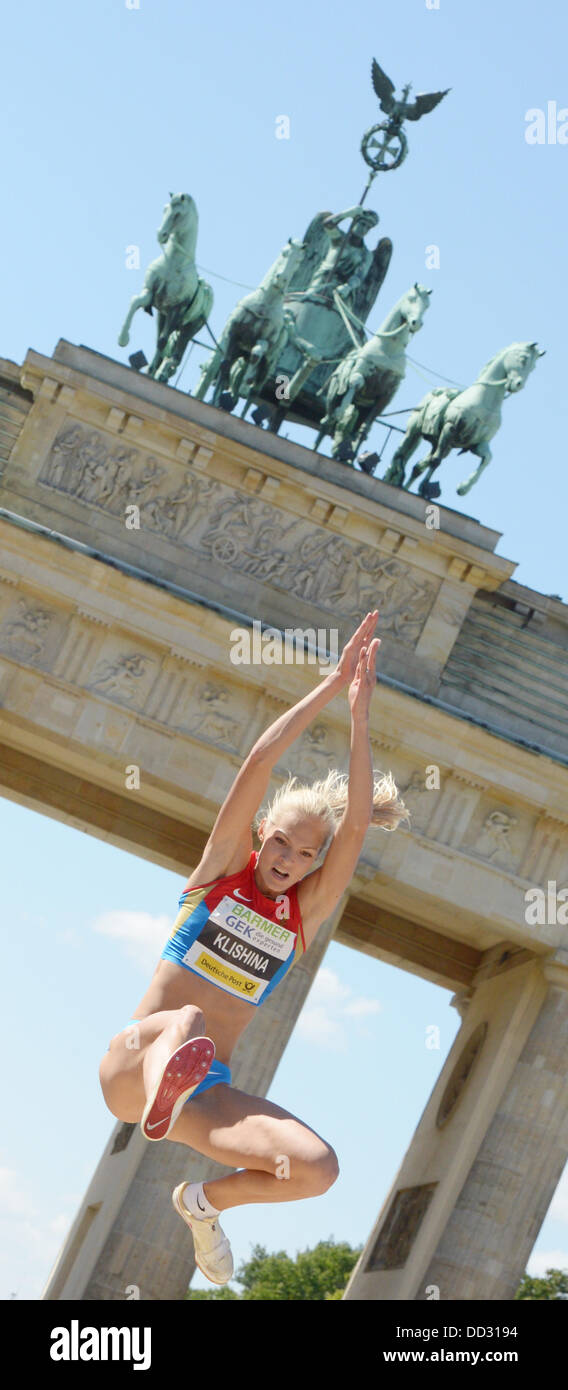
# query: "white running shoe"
x,y
212,1249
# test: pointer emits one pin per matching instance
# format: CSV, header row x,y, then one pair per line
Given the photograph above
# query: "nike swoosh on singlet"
x,y
155,1126
241,895
199,1204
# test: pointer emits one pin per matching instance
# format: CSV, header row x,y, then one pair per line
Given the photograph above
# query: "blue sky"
x,y
109,109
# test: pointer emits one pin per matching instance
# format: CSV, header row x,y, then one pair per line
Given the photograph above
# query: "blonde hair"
x,y
327,799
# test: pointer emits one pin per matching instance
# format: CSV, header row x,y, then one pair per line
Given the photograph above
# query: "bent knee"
x,y
318,1174
190,1013
120,1095
120,1088
328,1170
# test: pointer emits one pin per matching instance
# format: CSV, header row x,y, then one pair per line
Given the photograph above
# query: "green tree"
x,y
554,1285
321,1273
205,1296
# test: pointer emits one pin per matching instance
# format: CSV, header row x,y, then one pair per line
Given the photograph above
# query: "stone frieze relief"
x,y
242,533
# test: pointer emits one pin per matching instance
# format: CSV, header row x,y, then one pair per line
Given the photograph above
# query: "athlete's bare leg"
x,y
136,1057
282,1158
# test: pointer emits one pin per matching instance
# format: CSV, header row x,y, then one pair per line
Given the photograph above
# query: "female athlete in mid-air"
x,y
245,917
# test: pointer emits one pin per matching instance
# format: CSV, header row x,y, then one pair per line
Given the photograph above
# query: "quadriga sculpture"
x,y
450,418
173,287
366,380
253,336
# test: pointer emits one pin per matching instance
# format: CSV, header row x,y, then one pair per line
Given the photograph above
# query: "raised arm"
x,y
231,838
356,213
320,892
285,730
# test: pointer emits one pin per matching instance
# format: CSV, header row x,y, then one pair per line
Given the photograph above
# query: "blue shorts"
x,y
218,1071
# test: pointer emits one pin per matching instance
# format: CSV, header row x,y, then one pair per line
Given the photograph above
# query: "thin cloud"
x,y
317,1026
329,1006
30,1239
361,1008
541,1260
141,935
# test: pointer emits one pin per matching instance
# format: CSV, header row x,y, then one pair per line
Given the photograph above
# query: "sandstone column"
x,y
467,1204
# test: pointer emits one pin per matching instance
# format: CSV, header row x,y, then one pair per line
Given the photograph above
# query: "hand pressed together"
x,y
357,665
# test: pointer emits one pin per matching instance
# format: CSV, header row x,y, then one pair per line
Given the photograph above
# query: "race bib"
x,y
240,950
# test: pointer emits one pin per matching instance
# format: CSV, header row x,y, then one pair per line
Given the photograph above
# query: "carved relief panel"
x,y
241,532
30,631
123,674
400,1227
420,798
208,714
498,835
107,473
317,750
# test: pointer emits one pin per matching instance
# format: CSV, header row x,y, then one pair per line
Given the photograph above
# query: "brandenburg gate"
x,y
138,527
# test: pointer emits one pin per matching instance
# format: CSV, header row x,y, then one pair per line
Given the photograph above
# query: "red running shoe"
x,y
184,1071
